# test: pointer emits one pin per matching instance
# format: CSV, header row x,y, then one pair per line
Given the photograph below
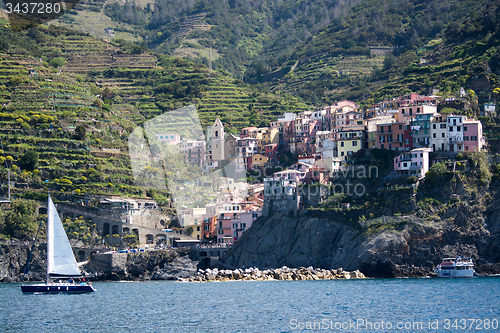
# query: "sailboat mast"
x,y
49,229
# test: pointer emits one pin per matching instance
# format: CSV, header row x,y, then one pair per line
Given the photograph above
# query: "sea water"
x,y
371,305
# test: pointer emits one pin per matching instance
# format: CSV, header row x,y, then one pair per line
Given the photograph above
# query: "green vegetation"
x,y
131,240
80,132
82,230
435,173
21,221
418,46
29,160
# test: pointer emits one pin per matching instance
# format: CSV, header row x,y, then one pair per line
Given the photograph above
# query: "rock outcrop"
x,y
179,268
13,259
164,264
283,273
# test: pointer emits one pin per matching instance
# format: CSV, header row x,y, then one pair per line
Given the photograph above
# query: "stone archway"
x,y
105,229
161,239
114,230
126,230
81,256
149,239
162,222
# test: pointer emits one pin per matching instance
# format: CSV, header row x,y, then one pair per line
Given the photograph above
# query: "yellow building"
x,y
347,147
269,136
350,141
259,160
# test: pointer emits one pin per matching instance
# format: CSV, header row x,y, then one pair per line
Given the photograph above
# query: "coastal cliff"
x,y
414,231
166,264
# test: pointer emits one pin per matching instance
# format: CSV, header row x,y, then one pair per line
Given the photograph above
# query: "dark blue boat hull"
x,y
57,288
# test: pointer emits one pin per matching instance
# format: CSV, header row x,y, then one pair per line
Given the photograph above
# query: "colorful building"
x,y
455,132
258,161
438,140
193,151
413,163
421,125
350,140
473,135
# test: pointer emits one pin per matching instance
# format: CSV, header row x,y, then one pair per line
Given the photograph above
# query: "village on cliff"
x,y
323,143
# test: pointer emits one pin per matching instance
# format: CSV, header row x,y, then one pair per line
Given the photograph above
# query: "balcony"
x,y
455,140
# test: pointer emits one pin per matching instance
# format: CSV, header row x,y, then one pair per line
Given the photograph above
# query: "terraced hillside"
x,y
40,113
89,17
76,102
326,74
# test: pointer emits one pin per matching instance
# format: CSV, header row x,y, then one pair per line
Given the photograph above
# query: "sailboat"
x,y
62,269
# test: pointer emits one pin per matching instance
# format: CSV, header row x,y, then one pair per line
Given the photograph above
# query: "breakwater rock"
x,y
283,273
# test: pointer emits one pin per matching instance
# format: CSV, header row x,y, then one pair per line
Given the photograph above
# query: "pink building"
x,y
193,151
328,121
413,163
224,221
232,224
341,104
243,222
473,135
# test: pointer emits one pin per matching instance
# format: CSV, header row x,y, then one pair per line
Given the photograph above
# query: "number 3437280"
x,y
33,8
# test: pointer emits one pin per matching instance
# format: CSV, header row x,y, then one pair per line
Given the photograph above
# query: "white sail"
x,y
60,258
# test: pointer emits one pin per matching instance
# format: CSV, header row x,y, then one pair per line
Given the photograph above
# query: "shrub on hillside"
x,y
29,160
57,62
436,172
411,180
80,132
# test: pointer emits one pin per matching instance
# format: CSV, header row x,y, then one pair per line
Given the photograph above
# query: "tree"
x,y
57,62
190,231
80,132
29,160
411,180
20,222
436,172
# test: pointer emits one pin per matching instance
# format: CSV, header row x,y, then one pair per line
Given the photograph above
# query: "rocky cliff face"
x,y
13,259
457,221
404,248
168,264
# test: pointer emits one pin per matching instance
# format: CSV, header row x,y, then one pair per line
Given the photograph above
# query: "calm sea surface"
x,y
403,305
